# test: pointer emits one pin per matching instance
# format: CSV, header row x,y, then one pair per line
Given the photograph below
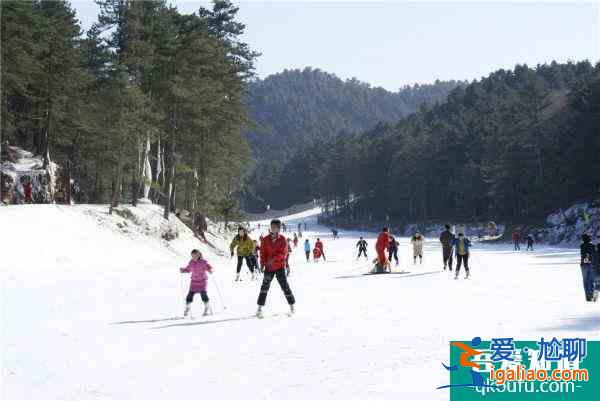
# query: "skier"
x,y
273,253
530,241
287,258
245,247
446,238
587,251
335,233
304,226
319,245
254,257
383,241
198,267
516,238
317,254
393,249
462,245
417,241
362,248
295,240
307,249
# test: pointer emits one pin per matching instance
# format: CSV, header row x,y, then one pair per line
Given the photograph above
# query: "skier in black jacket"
x,y
446,238
393,249
362,248
588,251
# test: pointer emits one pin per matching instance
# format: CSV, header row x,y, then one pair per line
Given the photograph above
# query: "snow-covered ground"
x,y
88,309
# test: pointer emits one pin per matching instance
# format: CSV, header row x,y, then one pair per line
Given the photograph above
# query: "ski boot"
x,y
456,276
187,310
259,313
237,277
253,276
207,309
292,310
468,275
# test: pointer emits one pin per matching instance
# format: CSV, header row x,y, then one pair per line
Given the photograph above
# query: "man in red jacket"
x,y
381,246
319,244
516,237
273,255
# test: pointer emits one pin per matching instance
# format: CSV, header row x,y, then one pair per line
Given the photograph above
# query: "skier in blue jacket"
x,y
307,249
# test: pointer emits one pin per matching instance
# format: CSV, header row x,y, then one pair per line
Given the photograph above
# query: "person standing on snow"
x,y
393,249
462,245
198,267
587,251
516,239
446,238
307,249
295,240
287,258
245,247
273,254
254,257
417,242
319,245
362,248
596,274
381,246
530,241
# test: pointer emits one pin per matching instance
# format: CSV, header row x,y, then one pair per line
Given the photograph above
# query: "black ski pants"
x,y
283,283
462,259
249,263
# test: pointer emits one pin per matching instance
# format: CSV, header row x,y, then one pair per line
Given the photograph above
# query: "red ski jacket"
x,y
383,241
273,253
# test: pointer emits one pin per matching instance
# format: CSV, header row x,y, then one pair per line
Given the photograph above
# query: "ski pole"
x,y
181,289
218,291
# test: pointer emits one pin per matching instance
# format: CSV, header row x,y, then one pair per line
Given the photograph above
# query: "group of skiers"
x,y
452,245
516,239
387,242
318,251
274,250
460,246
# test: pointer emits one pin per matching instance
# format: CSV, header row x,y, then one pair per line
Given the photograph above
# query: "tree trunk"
x,y
170,166
67,182
116,193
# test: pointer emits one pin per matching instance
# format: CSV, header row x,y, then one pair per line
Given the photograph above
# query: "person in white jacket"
x,y
417,242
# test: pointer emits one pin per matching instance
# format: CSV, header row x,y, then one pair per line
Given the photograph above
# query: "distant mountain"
x,y
292,109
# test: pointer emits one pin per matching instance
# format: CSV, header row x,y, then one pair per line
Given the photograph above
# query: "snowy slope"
x,y
87,313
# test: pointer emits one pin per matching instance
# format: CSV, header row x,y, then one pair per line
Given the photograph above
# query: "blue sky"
x,y
394,43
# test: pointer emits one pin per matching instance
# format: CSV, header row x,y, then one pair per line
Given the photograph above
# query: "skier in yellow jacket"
x,y
245,248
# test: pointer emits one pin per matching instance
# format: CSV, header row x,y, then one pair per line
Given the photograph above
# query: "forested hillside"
x,y
294,108
514,145
148,98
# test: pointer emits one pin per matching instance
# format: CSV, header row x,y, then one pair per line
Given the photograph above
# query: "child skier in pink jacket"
x,y
198,267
